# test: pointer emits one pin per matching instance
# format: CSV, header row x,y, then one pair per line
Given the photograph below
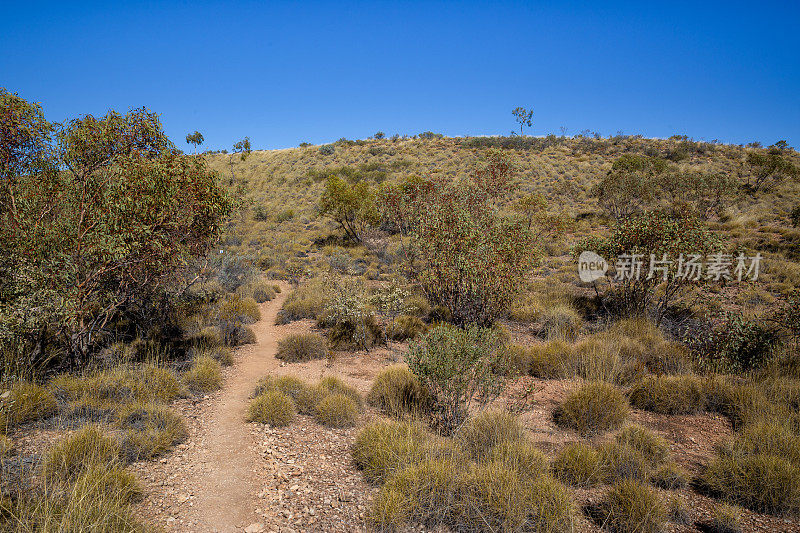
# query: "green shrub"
x,y
620,461
670,477
337,411
204,376
632,507
397,392
26,403
271,407
77,453
669,395
579,465
455,366
745,344
481,277
593,408
150,430
654,449
726,519
301,347
483,432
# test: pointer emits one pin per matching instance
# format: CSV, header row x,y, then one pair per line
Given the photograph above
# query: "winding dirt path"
x,y
231,476
225,488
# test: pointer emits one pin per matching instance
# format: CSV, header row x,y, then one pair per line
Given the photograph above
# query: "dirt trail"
x,y
225,487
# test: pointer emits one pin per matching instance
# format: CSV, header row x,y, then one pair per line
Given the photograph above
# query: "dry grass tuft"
x,y
481,433
304,396
150,430
579,465
670,477
334,385
27,402
77,453
382,448
337,411
726,518
632,507
593,408
204,376
302,347
620,461
521,457
670,395
397,392
654,449
758,469
142,383
272,407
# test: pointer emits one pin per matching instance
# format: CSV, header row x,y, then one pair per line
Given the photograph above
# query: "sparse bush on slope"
x,y
455,366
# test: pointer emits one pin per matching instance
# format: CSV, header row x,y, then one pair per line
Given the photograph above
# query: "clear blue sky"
x,y
284,72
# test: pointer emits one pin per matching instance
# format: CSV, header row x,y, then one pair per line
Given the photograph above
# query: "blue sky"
x,y
286,72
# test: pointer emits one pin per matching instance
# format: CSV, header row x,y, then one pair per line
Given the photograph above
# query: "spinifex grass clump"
x,y
758,469
337,410
302,347
272,407
332,402
204,376
398,392
593,408
579,465
150,430
141,383
631,507
26,402
83,487
431,480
